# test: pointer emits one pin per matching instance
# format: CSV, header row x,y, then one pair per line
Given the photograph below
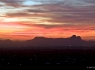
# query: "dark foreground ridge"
x,y
42,41
40,50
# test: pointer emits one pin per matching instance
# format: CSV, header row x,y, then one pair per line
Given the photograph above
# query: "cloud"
x,y
51,17
69,3
18,14
90,1
58,14
14,3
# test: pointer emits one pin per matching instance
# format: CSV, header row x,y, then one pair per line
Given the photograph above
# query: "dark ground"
x,y
82,57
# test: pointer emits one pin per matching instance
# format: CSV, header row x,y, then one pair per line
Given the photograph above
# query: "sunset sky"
x,y
26,19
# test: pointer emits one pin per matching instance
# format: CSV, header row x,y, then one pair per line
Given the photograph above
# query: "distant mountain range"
x,y
42,41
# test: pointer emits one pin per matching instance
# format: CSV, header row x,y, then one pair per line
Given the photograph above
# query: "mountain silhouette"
x,y
42,41
73,40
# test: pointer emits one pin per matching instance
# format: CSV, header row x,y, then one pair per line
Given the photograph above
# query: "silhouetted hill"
x,y
42,41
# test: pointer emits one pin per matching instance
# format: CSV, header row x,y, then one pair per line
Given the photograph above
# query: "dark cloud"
x,y
14,3
36,10
18,14
70,3
70,12
90,1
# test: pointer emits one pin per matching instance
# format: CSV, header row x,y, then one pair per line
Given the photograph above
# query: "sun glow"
x,y
10,19
11,27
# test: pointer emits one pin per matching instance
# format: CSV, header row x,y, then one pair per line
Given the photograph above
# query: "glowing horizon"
x,y
26,19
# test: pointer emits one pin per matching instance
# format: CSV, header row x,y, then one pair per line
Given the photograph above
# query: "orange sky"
x,y
26,19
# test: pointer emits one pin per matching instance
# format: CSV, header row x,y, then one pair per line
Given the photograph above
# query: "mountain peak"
x,y
75,37
78,37
39,37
